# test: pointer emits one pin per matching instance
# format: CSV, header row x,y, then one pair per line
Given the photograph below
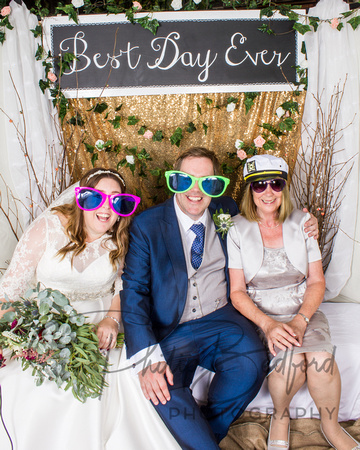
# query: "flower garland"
x,y
136,159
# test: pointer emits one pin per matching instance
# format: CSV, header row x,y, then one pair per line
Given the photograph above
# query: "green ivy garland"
x,y
136,160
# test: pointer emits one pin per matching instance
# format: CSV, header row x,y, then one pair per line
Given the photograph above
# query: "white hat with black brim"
x,y
265,167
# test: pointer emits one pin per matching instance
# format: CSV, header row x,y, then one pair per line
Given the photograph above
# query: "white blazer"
x,y
246,250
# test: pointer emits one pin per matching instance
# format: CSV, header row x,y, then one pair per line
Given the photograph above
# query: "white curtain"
x,y
7,237
333,58
30,111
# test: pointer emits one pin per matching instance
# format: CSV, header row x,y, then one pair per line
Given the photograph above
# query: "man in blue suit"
x,y
176,312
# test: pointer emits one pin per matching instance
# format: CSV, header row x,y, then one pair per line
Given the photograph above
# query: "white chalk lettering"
x,y
241,39
170,50
79,47
114,59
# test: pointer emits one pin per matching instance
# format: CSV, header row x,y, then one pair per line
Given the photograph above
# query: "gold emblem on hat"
x,y
251,166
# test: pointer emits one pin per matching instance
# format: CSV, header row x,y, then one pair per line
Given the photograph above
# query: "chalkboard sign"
x,y
191,52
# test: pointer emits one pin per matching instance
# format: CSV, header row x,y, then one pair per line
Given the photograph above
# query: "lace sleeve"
x,y
21,271
118,280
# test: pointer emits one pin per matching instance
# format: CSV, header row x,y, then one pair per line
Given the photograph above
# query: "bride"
x,y
78,247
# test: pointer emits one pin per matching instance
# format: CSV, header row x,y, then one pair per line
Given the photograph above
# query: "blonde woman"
x,y
276,281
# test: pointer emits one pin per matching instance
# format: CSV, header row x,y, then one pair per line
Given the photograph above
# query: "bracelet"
x,y
305,318
115,320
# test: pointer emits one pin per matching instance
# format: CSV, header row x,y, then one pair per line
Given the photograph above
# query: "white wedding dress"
x,y
46,417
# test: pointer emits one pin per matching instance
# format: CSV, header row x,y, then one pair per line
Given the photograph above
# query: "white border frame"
x,y
194,16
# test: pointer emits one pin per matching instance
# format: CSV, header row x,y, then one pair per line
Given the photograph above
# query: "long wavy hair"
x,y
75,229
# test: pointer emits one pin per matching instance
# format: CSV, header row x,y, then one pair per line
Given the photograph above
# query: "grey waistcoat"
x,y
206,286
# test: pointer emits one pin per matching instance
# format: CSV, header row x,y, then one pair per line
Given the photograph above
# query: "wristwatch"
x,y
307,320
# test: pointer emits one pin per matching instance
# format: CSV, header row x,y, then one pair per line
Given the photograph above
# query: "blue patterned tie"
x,y
197,247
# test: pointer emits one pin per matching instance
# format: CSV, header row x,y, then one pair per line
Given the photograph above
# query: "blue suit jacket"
x,y
155,277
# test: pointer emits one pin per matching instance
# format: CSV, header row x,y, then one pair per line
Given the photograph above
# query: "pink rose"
x,y
52,77
5,11
137,6
148,134
241,154
259,141
334,23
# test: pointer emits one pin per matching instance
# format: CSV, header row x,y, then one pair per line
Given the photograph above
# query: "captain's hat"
x,y
265,167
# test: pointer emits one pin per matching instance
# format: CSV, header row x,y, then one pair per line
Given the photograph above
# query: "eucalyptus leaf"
x,y
49,372
44,309
66,376
35,342
51,326
60,299
43,319
43,294
39,381
65,353
41,348
65,340
78,320
9,316
65,329
68,309
59,381
57,335
45,328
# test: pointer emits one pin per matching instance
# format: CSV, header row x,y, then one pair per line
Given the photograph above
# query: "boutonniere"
x,y
222,222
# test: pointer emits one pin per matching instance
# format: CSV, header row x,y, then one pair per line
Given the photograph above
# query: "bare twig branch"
x,y
318,178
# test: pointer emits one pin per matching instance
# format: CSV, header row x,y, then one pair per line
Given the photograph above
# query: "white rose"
x,y
130,159
304,64
99,144
176,4
239,144
230,107
280,112
224,217
77,3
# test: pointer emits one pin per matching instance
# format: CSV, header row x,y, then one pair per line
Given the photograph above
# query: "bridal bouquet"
x,y
48,336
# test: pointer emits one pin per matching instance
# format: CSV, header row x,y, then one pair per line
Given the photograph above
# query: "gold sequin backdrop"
x,y
166,113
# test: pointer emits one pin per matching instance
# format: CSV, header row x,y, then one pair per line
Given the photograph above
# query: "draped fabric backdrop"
x,y
32,126
7,238
333,58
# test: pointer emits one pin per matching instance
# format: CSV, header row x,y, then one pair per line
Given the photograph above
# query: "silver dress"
x,y
283,300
